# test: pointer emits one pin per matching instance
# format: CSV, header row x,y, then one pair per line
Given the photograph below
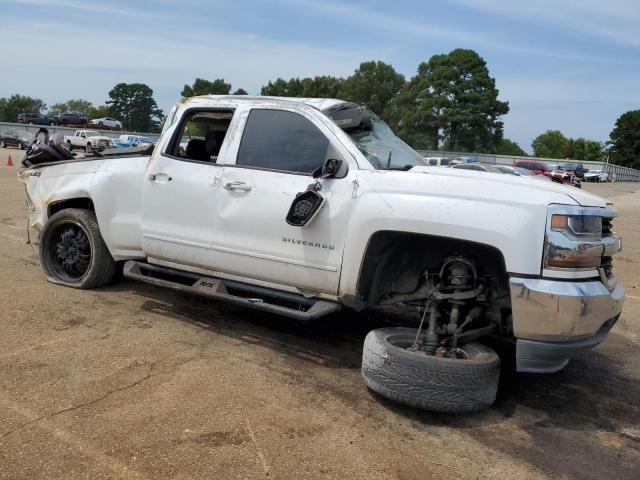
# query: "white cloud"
x,y
402,27
85,6
614,20
565,101
69,68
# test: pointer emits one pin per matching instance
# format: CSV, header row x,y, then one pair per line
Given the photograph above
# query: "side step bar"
x,y
261,298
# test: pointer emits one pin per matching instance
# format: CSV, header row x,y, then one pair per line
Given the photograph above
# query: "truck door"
x,y
182,190
276,155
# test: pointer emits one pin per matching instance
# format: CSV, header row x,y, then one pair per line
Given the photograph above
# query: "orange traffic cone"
x,y
10,161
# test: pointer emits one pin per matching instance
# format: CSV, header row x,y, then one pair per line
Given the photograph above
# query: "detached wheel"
x,y
72,251
439,384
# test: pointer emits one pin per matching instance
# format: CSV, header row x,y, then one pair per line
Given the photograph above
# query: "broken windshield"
x,y
375,139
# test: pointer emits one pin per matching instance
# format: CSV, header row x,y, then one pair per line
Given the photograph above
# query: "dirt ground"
x,y
132,381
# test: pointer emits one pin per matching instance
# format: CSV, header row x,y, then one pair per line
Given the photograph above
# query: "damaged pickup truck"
x,y
300,207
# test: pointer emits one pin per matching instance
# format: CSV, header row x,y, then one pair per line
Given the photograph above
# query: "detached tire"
x,y
72,251
426,382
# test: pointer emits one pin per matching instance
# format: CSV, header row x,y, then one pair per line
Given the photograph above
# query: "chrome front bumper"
x,y
552,320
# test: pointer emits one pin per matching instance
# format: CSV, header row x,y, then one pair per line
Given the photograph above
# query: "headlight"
x,y
578,227
574,238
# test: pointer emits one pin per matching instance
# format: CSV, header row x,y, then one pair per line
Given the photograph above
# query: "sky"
x,y
571,65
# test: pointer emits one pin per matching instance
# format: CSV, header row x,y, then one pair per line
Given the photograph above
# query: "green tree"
x,y
465,101
373,84
16,104
74,105
625,140
509,147
583,149
413,114
324,86
550,144
100,111
206,87
281,88
134,105
240,91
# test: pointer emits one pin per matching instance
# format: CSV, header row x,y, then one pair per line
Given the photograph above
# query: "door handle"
x,y
159,177
241,186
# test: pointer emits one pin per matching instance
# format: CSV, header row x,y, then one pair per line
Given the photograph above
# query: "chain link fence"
x,y
616,173
32,129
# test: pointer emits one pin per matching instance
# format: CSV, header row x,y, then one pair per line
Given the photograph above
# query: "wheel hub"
x,y
73,251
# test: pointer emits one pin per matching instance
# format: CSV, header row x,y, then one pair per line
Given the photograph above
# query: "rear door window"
x,y
283,141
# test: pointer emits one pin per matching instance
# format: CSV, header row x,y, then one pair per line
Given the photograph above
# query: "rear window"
x,y
282,140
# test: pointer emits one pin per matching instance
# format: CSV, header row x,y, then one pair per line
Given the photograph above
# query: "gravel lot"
x,y
132,381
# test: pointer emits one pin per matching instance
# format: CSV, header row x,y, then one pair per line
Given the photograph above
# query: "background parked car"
x,y
560,175
576,168
106,122
521,172
35,119
479,167
133,141
70,118
437,161
12,137
466,159
538,168
596,176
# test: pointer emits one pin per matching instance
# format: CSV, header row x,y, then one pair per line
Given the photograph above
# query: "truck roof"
x,y
321,104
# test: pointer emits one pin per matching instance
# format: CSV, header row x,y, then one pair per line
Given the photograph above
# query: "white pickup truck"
x,y
88,140
303,206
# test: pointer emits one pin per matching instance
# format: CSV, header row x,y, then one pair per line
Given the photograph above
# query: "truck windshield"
x,y
375,139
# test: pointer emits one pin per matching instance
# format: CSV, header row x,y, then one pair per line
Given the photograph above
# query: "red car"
x,y
561,175
538,168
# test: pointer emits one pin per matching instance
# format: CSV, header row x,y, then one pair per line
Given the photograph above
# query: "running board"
x,y
261,298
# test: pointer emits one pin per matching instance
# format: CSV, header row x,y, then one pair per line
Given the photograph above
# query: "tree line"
x,y
450,104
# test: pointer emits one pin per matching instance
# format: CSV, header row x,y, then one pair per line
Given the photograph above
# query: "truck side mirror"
x,y
329,169
304,208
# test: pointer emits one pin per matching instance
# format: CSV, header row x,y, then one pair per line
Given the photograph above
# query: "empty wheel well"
x,y
84,203
395,262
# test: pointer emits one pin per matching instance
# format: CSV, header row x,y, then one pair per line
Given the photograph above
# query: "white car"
x,y
89,140
301,207
107,122
437,161
596,176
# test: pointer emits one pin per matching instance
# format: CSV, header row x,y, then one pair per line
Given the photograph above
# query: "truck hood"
x,y
483,186
579,196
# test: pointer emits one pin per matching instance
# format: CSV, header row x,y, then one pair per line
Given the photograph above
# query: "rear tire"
x,y
69,145
88,148
2,144
72,251
427,382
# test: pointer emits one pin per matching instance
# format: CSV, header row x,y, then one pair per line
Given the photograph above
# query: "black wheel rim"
x,y
69,251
